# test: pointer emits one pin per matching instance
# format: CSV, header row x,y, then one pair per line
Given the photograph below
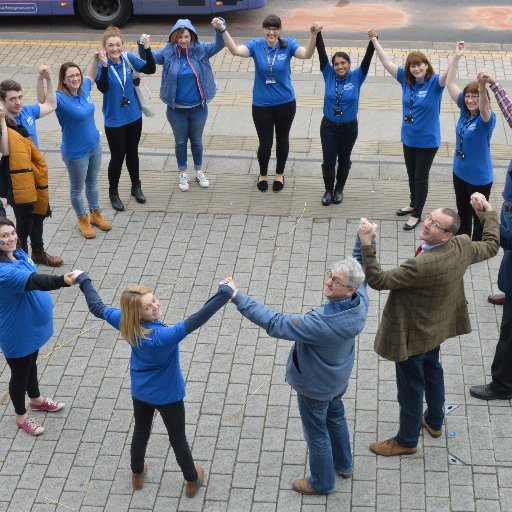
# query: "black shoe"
x,y
327,198
278,185
338,197
262,185
116,202
485,392
402,213
410,227
137,192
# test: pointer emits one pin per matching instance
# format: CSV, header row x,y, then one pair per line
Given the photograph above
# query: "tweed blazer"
x,y
427,304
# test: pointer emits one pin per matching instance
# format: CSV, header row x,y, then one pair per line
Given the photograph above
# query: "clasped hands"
x,y
367,231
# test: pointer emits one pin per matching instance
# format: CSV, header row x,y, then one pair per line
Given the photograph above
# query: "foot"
x,y
96,219
262,183
116,202
390,448
202,179
433,433
138,478
30,426
302,485
46,404
345,475
411,223
46,259
497,298
137,193
84,225
192,487
401,212
278,183
486,392
338,197
327,198
183,182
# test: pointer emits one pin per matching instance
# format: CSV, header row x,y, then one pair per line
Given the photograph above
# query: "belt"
x,y
507,207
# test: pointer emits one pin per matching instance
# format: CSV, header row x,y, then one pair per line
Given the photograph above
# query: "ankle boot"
x,y
85,227
97,220
341,178
328,175
137,192
115,200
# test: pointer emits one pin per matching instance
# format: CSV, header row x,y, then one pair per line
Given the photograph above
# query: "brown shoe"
x,y
98,221
138,478
302,485
430,430
497,298
390,448
192,487
85,227
45,259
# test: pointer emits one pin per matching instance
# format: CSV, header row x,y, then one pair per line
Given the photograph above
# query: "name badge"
x,y
270,80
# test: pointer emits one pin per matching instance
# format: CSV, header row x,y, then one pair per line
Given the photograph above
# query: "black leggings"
x,y
123,141
265,120
173,416
28,225
469,221
23,380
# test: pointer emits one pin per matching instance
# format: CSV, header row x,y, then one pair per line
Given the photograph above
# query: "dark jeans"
x,y
266,119
418,162
337,142
173,416
419,374
501,369
28,225
123,141
23,380
469,221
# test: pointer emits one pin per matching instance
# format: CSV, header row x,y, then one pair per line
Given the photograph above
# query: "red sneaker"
x,y
48,405
30,426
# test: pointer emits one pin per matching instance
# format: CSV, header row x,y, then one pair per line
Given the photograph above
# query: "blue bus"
x,y
101,13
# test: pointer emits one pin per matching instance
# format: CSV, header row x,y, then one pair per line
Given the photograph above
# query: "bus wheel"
x,y
102,13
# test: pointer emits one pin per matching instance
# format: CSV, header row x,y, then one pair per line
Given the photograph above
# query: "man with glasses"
x,y
319,366
426,306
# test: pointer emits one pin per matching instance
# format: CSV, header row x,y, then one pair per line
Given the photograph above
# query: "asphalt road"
x,y
396,20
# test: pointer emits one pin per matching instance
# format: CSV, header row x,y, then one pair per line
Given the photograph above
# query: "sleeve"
x,y
490,125
102,79
439,87
293,45
365,64
251,46
322,54
157,54
216,46
94,302
504,101
400,76
12,279
44,282
211,307
506,230
87,85
35,110
490,243
460,101
146,66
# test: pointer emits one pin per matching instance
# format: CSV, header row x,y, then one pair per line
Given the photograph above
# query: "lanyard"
x,y
123,83
271,64
414,95
464,128
339,97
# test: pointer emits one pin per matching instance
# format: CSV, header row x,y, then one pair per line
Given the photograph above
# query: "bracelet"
x,y
222,31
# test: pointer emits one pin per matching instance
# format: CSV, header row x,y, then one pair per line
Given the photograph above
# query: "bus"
x,y
101,13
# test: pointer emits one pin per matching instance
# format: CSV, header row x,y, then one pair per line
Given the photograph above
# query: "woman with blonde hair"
x,y
156,378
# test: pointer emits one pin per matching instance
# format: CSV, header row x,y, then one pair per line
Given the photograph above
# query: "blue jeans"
x,y
84,172
419,374
328,440
188,123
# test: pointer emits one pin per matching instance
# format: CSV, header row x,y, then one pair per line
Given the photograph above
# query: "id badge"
x,y
270,80
409,119
337,112
459,154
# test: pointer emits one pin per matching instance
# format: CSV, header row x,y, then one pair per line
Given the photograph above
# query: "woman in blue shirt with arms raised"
x,y
339,127
472,163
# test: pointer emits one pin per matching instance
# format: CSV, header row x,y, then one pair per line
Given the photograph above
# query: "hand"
x,y
372,33
229,282
217,24
102,56
44,71
480,203
366,231
70,277
315,28
459,49
145,40
484,75
2,112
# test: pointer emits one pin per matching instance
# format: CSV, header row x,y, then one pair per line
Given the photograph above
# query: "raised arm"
x,y
307,52
370,50
388,64
217,45
322,54
483,100
451,72
4,134
92,68
237,51
94,302
149,66
47,100
503,99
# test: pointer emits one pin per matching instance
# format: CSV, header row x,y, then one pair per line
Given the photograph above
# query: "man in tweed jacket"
x,y
426,306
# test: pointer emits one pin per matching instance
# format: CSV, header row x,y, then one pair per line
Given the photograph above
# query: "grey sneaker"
x,y
202,179
183,182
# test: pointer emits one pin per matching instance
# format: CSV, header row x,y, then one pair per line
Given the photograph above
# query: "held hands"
x,y
484,76
479,203
145,40
218,24
101,55
229,281
315,28
372,33
44,72
367,231
2,113
70,277
459,49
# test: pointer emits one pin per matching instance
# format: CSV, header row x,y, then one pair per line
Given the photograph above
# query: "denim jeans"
x,y
84,172
188,123
419,374
328,440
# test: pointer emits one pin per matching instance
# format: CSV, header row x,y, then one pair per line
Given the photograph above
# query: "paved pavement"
x,y
242,418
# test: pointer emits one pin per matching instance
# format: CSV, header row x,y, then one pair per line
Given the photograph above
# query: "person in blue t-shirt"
x,y
422,90
339,127
122,112
156,378
472,163
26,324
81,146
273,101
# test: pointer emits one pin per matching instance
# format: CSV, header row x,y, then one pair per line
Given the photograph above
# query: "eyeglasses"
x,y
335,280
72,77
472,97
435,224
269,30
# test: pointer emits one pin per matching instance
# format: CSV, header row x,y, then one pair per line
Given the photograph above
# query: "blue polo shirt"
x,y
280,92
114,114
76,117
348,94
425,131
187,90
476,167
27,118
26,318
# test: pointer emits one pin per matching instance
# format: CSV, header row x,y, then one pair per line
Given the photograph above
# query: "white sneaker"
x,y
183,182
202,179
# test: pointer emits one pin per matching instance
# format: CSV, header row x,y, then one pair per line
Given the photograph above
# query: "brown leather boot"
x,y
85,227
98,221
390,448
192,487
45,259
138,478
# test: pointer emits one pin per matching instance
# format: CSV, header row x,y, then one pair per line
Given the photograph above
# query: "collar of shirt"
x,y
426,247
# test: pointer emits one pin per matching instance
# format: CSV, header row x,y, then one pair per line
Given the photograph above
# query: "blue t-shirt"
x,y
425,130
114,114
155,365
26,318
348,94
187,91
476,167
27,118
280,92
76,117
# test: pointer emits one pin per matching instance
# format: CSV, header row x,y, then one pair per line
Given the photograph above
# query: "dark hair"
x,y
343,55
274,21
4,221
472,88
62,77
454,226
177,34
8,85
416,58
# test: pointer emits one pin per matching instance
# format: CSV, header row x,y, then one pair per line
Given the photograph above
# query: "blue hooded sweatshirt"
x,y
199,55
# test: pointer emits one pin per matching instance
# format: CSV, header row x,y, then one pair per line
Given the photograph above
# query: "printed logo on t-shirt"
x,y
472,127
422,94
348,87
281,56
30,120
89,100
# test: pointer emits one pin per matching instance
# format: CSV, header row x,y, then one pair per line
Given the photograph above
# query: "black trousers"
x,y
418,162
501,369
123,141
173,416
469,221
23,380
28,225
266,119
